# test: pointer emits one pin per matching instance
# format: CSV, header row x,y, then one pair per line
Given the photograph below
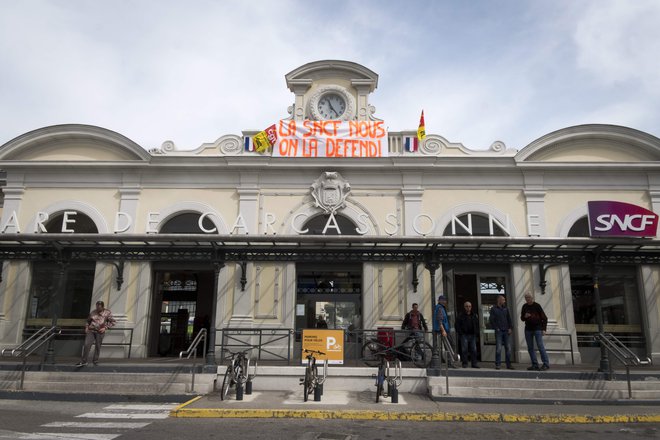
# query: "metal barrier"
x,y
561,350
78,333
239,339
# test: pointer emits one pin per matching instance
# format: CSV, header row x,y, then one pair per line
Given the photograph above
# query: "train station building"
x,y
328,214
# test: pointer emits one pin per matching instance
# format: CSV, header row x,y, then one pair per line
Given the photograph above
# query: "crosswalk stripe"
x,y
108,425
134,407
67,435
110,415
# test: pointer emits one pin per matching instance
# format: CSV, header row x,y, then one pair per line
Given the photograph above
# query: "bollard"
x,y
321,387
317,393
239,391
395,395
248,387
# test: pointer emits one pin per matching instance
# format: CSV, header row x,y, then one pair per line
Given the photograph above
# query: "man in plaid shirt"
x,y
98,321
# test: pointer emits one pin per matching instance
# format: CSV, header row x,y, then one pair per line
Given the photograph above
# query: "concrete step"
x,y
110,383
272,378
534,387
541,384
553,394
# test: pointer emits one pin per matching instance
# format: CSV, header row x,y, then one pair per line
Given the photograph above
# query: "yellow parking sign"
x,y
330,342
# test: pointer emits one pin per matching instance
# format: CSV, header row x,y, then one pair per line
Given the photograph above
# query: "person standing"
x,y
536,323
500,321
467,329
441,325
99,320
414,321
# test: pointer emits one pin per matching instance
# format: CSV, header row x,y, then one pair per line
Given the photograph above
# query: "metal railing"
x,y
263,341
192,349
623,354
32,344
78,333
561,350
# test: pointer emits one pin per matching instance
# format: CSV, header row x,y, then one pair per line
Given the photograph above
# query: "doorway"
x,y
181,304
329,297
481,290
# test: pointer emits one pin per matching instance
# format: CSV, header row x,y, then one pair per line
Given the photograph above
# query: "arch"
x,y
113,145
72,205
565,225
317,69
353,211
636,144
169,212
473,208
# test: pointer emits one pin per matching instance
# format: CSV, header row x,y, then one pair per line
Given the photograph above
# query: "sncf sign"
x,y
618,219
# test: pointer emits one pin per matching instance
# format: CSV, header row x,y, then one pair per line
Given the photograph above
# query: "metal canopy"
x,y
212,248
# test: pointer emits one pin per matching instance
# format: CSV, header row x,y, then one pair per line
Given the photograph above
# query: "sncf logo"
x,y
617,219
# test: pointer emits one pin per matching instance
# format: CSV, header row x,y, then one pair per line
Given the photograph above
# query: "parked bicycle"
x,y
414,348
237,374
312,382
383,376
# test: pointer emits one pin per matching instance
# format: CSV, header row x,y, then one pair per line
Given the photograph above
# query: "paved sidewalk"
x,y
361,405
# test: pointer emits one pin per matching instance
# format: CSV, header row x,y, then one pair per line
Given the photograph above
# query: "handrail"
x,y
80,333
26,344
35,345
623,354
201,336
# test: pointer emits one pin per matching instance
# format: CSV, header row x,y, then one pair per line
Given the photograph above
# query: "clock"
x,y
332,102
331,106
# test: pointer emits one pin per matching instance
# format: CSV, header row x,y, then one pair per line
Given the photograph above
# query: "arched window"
x,y
62,293
580,228
187,223
474,224
317,224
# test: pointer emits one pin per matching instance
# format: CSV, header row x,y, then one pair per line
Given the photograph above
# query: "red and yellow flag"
x,y
421,130
265,139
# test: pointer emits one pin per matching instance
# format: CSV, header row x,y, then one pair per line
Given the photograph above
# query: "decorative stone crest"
x,y
330,191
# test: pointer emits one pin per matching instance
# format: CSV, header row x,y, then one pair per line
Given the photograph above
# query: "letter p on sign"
x,y
330,343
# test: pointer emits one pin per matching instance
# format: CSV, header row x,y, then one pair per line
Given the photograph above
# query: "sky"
x,y
192,71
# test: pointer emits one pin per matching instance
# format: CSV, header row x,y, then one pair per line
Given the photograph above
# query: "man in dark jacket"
x,y
500,321
467,329
536,323
414,320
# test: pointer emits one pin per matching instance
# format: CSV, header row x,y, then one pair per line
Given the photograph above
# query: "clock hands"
x,y
333,108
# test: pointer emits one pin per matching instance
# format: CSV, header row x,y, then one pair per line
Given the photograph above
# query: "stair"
x,y
128,383
541,387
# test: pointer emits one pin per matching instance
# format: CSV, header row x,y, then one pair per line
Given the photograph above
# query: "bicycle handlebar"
x,y
314,351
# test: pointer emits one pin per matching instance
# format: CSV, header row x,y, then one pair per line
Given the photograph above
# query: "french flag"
x,y
249,145
410,143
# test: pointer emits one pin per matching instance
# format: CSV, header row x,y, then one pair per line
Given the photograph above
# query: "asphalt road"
x,y
42,420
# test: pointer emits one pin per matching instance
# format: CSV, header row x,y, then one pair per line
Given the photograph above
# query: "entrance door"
x,y
481,290
329,297
181,308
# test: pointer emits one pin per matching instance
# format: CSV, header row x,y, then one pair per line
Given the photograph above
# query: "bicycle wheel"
x,y
380,382
308,383
226,383
421,353
369,351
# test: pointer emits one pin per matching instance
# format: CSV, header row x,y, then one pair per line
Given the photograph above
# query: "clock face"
x,y
331,106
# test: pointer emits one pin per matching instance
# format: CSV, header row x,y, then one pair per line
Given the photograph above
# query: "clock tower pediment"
x,y
332,90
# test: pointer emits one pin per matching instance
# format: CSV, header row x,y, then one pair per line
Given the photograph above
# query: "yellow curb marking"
x,y
174,411
409,416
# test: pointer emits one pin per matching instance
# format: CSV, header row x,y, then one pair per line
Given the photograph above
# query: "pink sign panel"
x,y
618,219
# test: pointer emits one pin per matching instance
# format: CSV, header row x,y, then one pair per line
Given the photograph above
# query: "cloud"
x,y
619,42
